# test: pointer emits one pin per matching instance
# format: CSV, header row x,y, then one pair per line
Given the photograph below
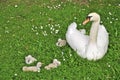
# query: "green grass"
x,y
26,29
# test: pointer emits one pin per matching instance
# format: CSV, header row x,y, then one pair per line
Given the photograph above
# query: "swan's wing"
x,y
72,26
83,31
77,41
103,38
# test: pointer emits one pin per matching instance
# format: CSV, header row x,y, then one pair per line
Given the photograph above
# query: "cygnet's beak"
x,y
86,21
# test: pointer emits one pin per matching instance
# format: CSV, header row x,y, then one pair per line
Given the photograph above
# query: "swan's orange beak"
x,y
86,21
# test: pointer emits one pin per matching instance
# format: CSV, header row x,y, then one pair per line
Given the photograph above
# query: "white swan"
x,y
92,47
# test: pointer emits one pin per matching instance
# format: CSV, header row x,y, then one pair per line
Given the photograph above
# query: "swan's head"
x,y
92,17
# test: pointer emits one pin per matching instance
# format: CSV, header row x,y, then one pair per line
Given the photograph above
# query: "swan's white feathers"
x,y
81,44
76,39
102,39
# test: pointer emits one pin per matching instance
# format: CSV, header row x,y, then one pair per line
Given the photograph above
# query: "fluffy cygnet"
x,y
29,59
32,68
61,43
55,64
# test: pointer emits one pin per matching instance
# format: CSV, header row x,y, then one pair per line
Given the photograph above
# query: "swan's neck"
x,y
94,32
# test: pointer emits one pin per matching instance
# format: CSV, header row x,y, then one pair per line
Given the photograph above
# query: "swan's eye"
x,y
88,17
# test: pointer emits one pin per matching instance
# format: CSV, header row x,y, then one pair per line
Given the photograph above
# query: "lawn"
x,y
34,26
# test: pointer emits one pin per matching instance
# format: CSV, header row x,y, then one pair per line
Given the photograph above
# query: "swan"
x,y
92,46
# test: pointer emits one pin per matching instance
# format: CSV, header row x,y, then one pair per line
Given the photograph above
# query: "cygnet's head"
x,y
92,17
39,64
56,62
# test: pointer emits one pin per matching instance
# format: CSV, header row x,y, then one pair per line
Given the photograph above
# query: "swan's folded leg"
x,y
83,31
